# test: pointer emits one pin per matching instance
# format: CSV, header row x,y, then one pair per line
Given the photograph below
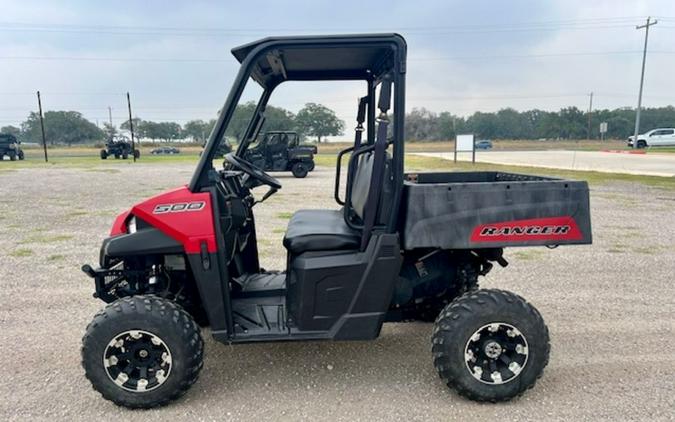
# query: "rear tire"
x,y
490,345
104,154
142,352
299,170
137,154
12,156
21,155
310,166
125,156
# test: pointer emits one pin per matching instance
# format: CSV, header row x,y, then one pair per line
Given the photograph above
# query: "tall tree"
x,y
61,127
318,120
199,130
11,130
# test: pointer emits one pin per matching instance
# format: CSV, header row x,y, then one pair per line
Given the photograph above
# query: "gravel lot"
x,y
610,308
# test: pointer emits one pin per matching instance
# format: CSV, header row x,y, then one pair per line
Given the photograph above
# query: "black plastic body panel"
x,y
442,210
347,294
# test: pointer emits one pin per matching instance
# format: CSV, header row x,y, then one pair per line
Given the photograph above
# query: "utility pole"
x,y
590,111
131,127
642,79
42,127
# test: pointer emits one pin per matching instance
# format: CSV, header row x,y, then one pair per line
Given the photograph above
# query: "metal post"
x,y
473,151
642,79
42,127
131,127
455,148
590,111
110,116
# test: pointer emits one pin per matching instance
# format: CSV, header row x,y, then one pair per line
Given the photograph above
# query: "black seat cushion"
x,y
319,230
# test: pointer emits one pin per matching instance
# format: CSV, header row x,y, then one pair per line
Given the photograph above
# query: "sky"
x,y
464,56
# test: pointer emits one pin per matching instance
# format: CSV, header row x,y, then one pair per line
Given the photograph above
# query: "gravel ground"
x,y
610,308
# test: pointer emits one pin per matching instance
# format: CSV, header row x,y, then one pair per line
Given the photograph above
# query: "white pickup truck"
x,y
654,138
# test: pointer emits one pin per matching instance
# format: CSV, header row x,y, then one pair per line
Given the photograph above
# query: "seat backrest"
x,y
361,183
361,186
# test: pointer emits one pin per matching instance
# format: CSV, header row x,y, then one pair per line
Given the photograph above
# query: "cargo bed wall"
x,y
491,209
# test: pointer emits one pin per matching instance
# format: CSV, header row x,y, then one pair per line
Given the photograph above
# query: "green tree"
x,y
318,120
61,127
11,130
199,130
166,131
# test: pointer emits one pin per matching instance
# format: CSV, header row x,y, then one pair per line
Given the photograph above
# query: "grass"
x,y
87,158
415,163
47,238
53,258
285,215
21,252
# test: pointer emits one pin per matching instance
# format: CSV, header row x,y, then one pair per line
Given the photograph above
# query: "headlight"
x,y
131,225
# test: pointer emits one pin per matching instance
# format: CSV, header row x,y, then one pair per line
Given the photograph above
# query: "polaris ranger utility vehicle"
x,y
282,151
402,247
119,146
10,147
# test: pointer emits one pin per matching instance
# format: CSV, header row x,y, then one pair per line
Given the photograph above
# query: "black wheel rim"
x,y
496,353
137,361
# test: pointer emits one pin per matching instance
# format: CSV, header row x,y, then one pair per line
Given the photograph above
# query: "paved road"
x,y
606,162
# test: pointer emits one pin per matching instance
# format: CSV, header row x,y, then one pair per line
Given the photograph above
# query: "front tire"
x,y
641,144
142,352
490,345
104,154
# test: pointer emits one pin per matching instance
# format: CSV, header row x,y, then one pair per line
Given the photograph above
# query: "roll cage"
x,y
274,60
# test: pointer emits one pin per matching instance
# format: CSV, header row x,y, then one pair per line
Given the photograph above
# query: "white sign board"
x,y
603,127
464,143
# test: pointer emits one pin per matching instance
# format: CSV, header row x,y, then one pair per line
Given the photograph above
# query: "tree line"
x,y
72,128
567,123
317,121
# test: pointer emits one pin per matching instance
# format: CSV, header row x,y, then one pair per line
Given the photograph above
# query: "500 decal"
x,y
179,207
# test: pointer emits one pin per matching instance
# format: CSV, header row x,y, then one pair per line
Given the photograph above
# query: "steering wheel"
x,y
253,171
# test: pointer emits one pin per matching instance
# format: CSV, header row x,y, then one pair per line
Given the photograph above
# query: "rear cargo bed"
x,y
471,210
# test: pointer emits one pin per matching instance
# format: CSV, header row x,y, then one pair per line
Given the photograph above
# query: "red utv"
x,y
396,247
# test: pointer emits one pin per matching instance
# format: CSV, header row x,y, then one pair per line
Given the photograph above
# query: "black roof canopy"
x,y
335,57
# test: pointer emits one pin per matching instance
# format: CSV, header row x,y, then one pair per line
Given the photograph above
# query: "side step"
x,y
260,316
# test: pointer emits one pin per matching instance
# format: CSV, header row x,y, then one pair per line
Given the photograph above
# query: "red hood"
x,y
180,214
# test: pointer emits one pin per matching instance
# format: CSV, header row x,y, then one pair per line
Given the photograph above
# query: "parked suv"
x,y
9,146
654,138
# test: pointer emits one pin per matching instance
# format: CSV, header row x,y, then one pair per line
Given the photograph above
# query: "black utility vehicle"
x,y
119,146
282,151
396,247
10,147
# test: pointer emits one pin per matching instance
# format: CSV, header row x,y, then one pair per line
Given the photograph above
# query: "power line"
x,y
591,23
411,59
